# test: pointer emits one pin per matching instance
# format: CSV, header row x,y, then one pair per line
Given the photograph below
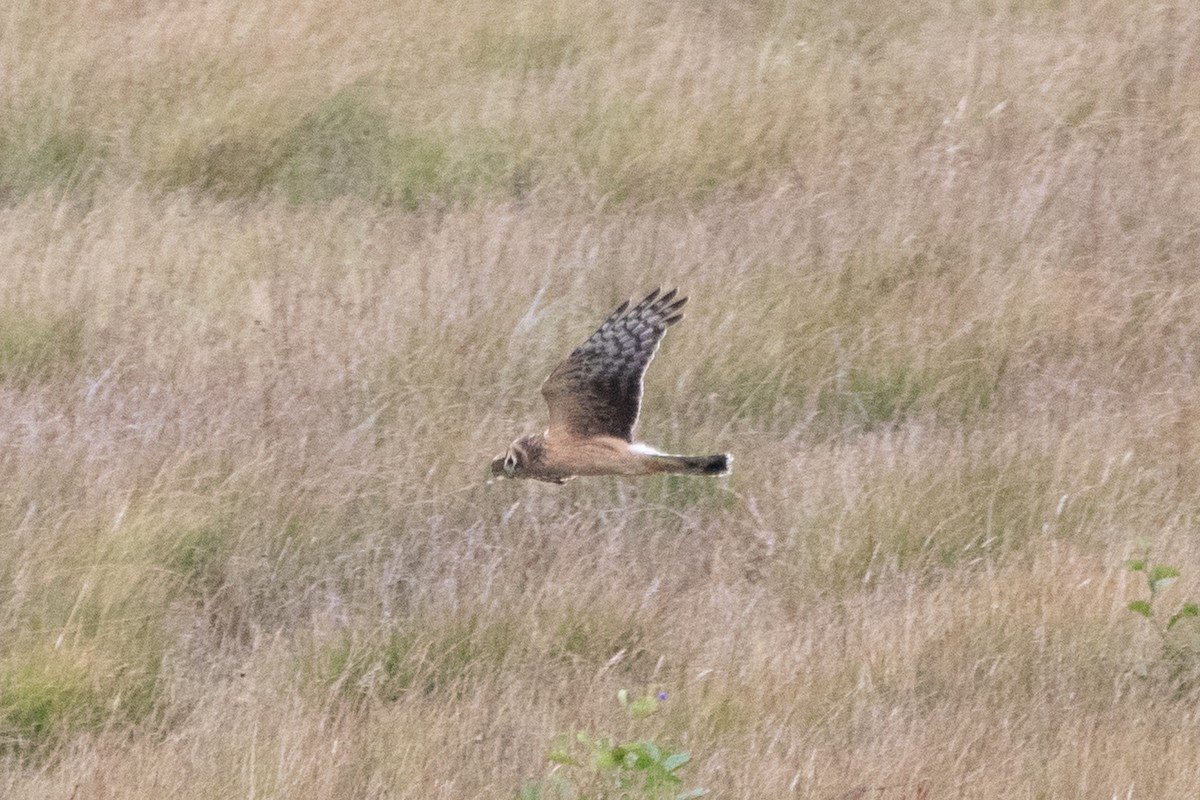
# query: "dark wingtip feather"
x,y
665,305
718,465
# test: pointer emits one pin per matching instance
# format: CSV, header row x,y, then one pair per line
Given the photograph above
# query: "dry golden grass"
x,y
279,279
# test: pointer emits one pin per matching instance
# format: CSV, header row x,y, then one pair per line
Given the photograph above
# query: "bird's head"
x,y
517,458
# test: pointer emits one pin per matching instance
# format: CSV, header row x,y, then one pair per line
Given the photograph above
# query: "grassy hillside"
x,y
278,280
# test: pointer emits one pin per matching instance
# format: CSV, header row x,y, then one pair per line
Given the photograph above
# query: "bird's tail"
x,y
695,465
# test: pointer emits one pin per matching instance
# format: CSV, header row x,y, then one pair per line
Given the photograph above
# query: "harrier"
x,y
594,398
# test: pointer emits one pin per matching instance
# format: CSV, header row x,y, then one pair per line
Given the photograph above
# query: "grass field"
x,y
278,280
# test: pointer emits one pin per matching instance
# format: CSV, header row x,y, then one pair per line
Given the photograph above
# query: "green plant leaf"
x,y
651,750
1162,572
1188,610
608,758
676,760
561,757
658,777
1135,564
643,707
1141,607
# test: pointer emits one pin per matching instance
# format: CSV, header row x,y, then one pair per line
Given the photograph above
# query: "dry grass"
x,y
278,281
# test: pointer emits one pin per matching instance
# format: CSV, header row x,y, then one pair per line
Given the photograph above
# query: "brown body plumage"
x,y
594,398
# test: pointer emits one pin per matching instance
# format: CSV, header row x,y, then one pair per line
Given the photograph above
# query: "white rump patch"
x,y
641,448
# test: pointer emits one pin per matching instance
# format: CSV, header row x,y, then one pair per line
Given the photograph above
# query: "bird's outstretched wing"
x,y
597,390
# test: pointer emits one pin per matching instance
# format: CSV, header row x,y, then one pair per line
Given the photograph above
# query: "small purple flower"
x,y
662,695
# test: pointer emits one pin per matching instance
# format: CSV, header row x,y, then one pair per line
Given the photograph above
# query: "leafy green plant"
x,y
38,148
34,348
48,694
1178,632
590,767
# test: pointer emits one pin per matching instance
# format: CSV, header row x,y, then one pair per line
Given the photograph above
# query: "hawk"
x,y
594,398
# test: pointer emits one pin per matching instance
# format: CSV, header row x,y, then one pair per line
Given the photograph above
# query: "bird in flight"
x,y
594,398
